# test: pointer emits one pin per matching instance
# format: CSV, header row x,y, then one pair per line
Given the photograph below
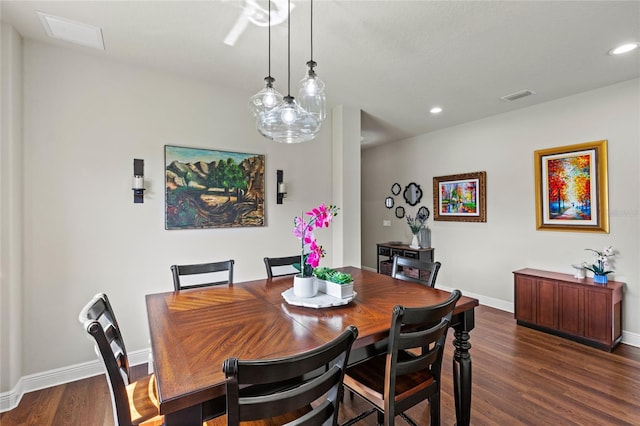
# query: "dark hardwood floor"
x,y
520,377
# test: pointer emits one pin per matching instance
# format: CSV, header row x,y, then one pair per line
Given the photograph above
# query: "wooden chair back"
x,y
282,389
208,269
100,322
277,262
410,370
423,272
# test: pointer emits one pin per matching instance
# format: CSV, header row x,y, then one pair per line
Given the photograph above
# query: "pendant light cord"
x,y
311,31
289,49
269,38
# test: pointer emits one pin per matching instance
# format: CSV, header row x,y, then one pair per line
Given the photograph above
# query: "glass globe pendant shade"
x,y
311,93
288,123
266,99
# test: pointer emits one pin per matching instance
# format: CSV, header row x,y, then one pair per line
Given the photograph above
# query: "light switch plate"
x,y
386,223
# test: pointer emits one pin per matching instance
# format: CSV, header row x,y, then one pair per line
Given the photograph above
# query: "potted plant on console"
x,y
601,266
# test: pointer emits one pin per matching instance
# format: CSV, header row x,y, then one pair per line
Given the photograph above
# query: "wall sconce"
x,y
138,181
281,187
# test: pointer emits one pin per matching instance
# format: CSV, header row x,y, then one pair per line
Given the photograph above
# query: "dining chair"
x,y
425,272
279,391
134,402
409,371
277,266
208,274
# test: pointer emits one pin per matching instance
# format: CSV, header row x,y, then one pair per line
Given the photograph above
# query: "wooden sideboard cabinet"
x,y
388,250
566,306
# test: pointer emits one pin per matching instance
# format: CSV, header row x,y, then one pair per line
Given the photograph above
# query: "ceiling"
x,y
392,59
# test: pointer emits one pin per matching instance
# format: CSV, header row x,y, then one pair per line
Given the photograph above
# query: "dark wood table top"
x,y
194,331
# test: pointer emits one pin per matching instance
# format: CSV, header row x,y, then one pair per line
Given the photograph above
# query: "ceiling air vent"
x,y
517,95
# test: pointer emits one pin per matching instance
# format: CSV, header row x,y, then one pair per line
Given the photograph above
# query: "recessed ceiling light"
x,y
72,31
624,48
435,110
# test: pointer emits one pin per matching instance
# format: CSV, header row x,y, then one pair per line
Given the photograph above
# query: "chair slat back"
x,y
268,389
278,262
100,323
426,272
423,329
209,271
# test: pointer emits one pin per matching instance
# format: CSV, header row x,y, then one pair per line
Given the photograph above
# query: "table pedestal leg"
x,y
462,367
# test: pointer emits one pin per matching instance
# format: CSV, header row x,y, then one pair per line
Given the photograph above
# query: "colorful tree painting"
x,y
458,197
569,187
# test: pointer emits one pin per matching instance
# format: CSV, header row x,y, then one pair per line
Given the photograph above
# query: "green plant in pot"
x,y
332,275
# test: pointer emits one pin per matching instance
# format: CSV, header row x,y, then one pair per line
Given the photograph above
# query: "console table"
x,y
560,304
390,249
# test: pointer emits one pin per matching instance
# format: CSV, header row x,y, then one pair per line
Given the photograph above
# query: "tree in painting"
x,y
569,187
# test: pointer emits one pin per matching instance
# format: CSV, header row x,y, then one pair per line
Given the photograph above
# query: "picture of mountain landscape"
x,y
213,189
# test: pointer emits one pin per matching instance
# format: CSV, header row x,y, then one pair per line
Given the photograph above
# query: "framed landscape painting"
x,y
571,188
460,197
213,189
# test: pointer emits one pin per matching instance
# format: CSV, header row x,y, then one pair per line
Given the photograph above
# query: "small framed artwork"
x,y
213,189
571,188
460,198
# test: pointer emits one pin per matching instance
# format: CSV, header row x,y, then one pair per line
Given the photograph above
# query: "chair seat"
x,y
367,379
143,400
277,421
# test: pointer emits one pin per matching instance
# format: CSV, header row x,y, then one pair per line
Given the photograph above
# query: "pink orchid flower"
x,y
319,217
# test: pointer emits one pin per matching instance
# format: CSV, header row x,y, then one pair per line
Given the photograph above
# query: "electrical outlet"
x,y
386,223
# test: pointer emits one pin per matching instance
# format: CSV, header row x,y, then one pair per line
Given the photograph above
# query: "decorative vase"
x,y
600,279
305,287
425,237
580,272
414,242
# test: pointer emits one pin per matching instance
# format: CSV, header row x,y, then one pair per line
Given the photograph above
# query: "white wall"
x,y
346,186
11,211
86,119
479,257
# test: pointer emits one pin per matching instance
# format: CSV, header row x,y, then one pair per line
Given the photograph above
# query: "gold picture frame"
x,y
572,188
460,198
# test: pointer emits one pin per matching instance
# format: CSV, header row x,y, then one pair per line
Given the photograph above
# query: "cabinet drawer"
x,y
411,254
396,252
383,251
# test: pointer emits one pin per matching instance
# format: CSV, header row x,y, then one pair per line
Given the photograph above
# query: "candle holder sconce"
x,y
281,187
138,181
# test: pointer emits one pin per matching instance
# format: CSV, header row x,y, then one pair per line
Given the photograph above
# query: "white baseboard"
x,y
491,302
10,400
631,339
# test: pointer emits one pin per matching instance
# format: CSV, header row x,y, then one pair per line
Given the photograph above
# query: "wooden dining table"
x,y
193,331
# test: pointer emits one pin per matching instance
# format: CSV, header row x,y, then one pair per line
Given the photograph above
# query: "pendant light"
x,y
311,93
288,122
267,98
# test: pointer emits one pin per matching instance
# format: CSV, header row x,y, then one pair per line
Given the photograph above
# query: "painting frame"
x,y
594,186
210,188
474,210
